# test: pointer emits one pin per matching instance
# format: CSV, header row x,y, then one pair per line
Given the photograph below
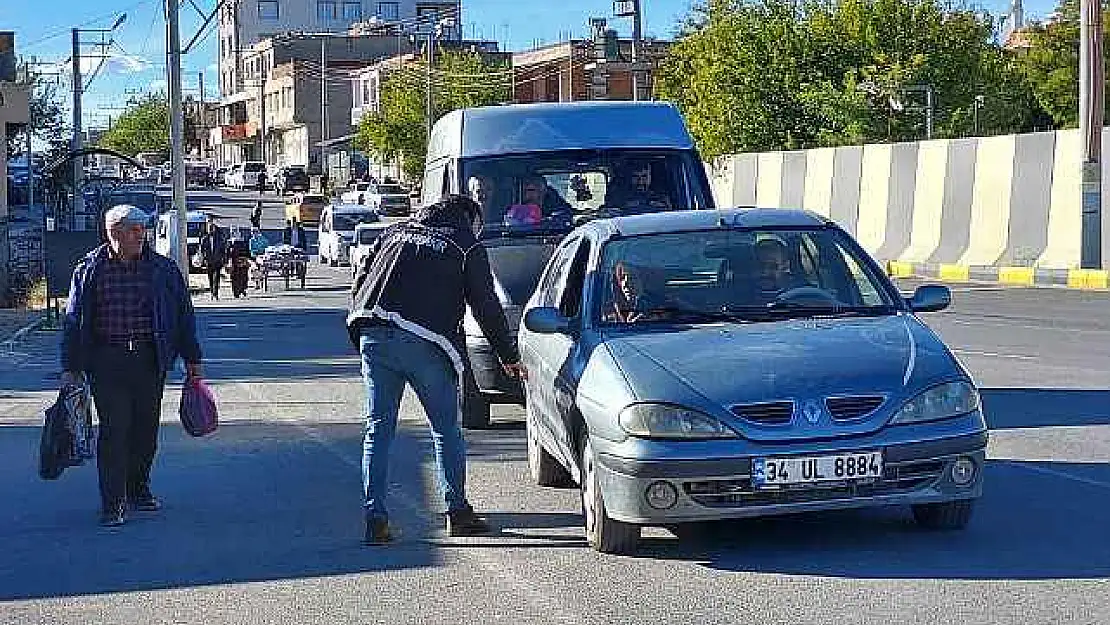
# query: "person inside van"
x,y
481,190
636,191
530,209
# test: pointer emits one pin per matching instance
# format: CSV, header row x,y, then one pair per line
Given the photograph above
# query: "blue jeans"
x,y
392,357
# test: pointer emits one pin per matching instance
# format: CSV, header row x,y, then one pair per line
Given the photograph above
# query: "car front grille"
x,y
767,413
854,407
738,493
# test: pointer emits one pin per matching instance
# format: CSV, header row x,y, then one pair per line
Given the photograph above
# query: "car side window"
x,y
570,296
556,272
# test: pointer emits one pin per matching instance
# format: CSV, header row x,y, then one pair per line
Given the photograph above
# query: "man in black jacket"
x,y
408,301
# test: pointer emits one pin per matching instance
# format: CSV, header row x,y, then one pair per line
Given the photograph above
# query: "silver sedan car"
x,y
705,365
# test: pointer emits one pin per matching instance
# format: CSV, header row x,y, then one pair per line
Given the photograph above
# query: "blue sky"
x,y
137,63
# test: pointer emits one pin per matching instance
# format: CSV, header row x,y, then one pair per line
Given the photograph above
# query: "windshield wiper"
x,y
791,309
677,313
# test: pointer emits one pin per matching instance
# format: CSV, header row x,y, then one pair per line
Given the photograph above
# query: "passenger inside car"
x,y
634,191
774,274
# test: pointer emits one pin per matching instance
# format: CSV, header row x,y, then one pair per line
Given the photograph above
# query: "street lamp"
x,y
978,104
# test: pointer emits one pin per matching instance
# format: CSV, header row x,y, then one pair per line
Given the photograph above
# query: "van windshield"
x,y
194,229
551,192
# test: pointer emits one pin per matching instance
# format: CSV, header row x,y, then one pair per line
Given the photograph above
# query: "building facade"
x,y
14,111
600,68
244,23
296,94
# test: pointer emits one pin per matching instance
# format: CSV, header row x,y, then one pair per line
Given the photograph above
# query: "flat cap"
x,y
127,215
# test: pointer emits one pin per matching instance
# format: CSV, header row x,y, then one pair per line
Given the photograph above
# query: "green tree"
x,y
49,124
755,75
460,79
1051,63
143,127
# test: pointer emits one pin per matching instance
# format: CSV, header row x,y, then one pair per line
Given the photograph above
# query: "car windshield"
x,y
253,167
193,229
390,189
346,222
743,275
548,193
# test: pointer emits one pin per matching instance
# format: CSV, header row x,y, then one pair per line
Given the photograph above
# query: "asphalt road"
x,y
262,520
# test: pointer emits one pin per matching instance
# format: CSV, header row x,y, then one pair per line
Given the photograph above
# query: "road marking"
x,y
1005,324
972,352
564,613
1054,472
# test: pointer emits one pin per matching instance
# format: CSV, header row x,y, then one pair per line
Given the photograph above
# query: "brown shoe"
x,y
466,522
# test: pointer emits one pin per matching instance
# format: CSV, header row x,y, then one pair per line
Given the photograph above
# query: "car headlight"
x,y
940,402
666,421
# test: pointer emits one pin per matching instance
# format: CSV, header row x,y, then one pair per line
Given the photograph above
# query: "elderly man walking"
x,y
128,319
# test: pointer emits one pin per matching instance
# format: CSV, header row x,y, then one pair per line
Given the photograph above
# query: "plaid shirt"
x,y
124,302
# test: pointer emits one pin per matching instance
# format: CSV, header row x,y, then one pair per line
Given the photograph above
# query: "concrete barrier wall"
x,y
1009,201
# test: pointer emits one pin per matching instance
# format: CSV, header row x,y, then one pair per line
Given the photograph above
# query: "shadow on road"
x,y
1040,407
253,502
1032,523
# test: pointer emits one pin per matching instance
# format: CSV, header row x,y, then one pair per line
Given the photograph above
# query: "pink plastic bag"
x,y
198,411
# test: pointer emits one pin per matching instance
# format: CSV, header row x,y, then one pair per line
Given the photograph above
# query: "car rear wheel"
x,y
544,468
952,515
603,533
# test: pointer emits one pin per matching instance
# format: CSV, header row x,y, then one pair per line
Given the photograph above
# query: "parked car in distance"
x,y
305,207
165,237
337,230
388,199
365,235
234,175
354,192
291,178
703,365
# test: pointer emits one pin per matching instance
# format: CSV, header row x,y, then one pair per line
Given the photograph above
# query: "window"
x,y
327,10
570,299
389,11
352,11
268,9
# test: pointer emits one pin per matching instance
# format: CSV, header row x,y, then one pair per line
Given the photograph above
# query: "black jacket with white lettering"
x,y
420,275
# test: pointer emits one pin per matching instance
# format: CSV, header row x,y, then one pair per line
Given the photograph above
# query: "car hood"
x,y
716,367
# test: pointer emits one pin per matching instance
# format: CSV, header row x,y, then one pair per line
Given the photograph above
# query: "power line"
x,y
65,31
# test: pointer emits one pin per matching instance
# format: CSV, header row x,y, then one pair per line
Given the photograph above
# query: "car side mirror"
x,y
930,298
546,321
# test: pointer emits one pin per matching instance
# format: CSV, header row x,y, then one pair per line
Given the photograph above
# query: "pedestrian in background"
x,y
213,246
128,318
262,182
413,336
256,215
294,234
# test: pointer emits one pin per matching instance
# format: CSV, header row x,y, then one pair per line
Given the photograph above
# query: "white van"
x,y
337,230
541,170
165,237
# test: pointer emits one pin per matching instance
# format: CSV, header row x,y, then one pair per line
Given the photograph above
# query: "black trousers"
x,y
127,387
214,279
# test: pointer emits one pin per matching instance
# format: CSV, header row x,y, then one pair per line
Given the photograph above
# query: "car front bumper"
x,y
714,489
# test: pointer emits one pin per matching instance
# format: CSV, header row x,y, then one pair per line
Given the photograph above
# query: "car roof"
x,y
676,221
544,127
377,225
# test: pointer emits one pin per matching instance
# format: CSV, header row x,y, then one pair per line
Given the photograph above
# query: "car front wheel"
x,y
952,515
603,533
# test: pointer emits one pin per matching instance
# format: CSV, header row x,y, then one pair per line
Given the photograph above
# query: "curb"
x,y
1082,279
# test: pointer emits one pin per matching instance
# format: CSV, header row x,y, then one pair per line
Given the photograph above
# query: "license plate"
x,y
795,470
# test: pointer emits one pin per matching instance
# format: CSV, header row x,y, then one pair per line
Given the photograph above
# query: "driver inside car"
x,y
633,298
773,272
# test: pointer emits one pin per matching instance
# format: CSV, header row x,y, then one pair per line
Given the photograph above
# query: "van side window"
x,y
432,190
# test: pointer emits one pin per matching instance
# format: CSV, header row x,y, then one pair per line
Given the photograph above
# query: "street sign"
x,y
624,8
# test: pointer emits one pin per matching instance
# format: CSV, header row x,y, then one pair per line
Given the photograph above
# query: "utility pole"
x,y
325,133
75,144
202,120
431,62
1091,84
177,132
262,118
631,8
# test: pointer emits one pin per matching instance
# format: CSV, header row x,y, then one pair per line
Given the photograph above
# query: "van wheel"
x,y
603,533
952,515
